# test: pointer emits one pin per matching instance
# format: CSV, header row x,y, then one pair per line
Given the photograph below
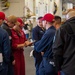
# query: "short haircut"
x,y
40,17
57,17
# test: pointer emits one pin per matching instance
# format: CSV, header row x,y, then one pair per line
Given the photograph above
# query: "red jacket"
x,y
17,39
19,67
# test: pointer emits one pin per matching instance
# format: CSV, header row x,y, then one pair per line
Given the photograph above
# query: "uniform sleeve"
x,y
43,43
6,48
57,49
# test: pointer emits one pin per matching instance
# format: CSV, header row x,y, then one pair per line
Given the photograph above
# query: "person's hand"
x,y
28,43
25,44
42,53
13,63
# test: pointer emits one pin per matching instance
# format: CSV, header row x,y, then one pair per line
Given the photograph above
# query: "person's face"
x,y
44,24
17,28
1,21
11,24
54,22
39,22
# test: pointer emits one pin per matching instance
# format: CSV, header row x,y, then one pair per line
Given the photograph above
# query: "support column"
x,y
59,7
34,18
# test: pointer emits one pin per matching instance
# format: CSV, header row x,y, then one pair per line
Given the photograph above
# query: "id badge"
x,y
1,57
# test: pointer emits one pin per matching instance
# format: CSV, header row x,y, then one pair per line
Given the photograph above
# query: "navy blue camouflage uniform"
x,y
5,50
10,66
45,45
37,34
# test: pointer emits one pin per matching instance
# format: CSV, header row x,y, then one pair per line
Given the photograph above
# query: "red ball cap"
x,y
48,17
20,21
2,15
